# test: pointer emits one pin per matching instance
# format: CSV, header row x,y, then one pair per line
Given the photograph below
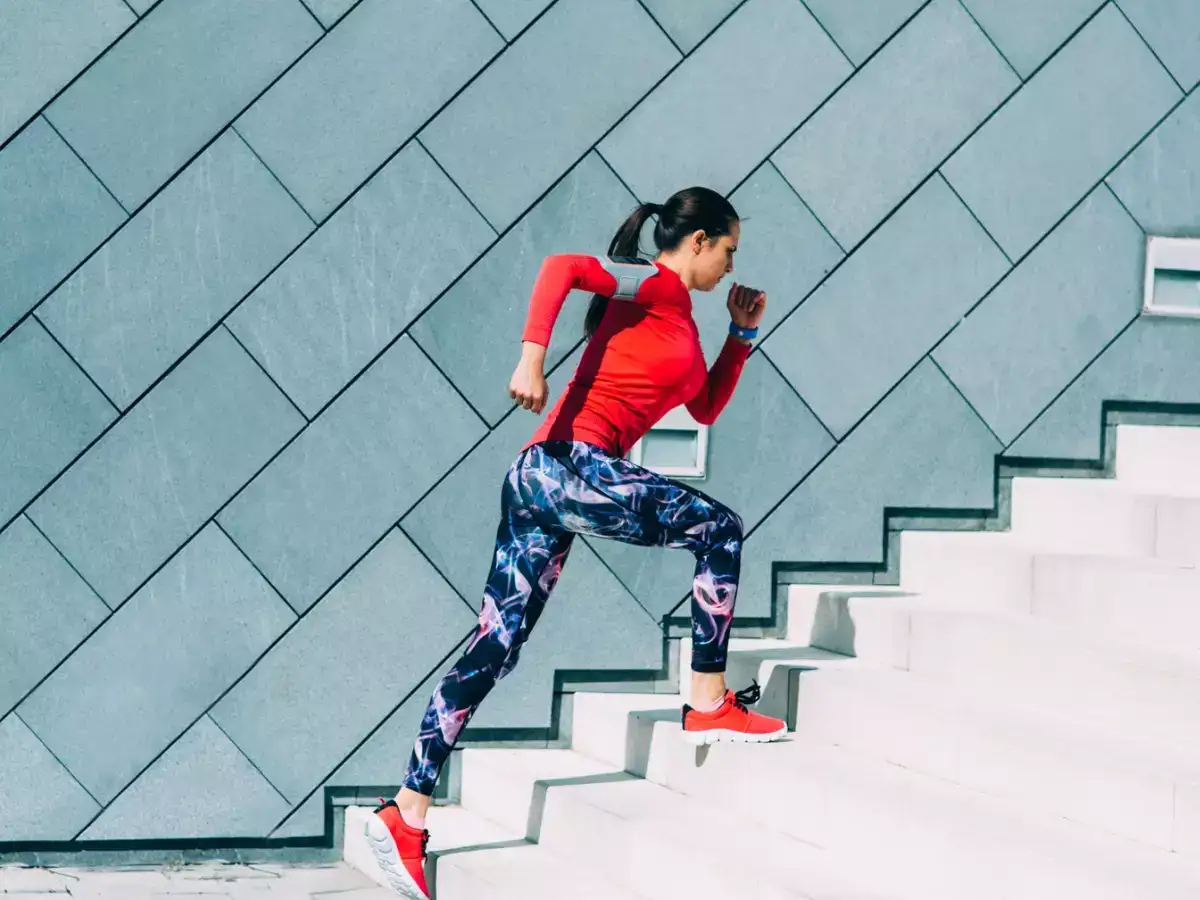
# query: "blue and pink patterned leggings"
x,y
553,491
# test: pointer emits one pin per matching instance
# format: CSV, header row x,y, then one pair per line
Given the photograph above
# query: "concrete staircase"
x,y
1020,719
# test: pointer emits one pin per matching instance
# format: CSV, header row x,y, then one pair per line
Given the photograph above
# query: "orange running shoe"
x,y
732,721
399,849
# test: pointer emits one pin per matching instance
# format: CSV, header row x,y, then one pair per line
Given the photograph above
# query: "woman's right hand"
x,y
528,385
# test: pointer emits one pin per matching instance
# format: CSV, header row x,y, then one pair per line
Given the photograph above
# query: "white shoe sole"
x,y
387,855
723,736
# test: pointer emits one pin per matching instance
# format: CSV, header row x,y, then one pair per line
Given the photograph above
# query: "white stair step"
x,y
992,570
1145,601
923,836
983,570
1102,516
654,841
1159,459
1118,785
613,728
1103,685
1083,515
1154,602
472,857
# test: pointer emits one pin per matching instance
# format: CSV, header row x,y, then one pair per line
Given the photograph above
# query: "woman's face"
x,y
714,258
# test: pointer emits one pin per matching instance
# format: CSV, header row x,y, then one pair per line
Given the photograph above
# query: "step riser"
x,y
1158,458
981,571
504,800
1151,605
612,736
1083,516
649,859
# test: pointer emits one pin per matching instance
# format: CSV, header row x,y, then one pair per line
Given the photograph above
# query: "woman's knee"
x,y
729,526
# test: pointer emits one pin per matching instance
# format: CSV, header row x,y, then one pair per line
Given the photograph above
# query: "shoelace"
x,y
748,696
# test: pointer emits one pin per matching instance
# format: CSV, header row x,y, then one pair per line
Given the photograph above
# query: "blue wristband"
x,y
746,334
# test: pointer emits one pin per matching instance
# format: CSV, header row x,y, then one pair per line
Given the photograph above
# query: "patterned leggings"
x,y
552,492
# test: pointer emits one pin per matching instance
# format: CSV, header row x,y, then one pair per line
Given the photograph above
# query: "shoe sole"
x,y
724,736
387,856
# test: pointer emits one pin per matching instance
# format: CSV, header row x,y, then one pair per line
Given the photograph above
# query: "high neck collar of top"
x,y
674,288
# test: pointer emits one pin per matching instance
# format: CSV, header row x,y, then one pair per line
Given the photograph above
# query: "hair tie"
x,y
656,209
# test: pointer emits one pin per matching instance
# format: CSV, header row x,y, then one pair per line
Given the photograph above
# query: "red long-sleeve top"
x,y
644,360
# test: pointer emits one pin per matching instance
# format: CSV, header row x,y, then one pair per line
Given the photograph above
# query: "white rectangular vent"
x,y
1172,277
677,446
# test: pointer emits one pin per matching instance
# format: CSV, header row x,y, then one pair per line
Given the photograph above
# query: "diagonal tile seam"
x,y
1149,46
87,166
248,758
996,46
41,109
83,787
63,556
982,227
437,162
436,669
661,27
76,363
1121,203
971,406
262,162
488,19
1078,375
833,40
271,378
308,9
770,162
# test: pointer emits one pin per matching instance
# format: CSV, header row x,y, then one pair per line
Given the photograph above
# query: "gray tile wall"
x,y
264,272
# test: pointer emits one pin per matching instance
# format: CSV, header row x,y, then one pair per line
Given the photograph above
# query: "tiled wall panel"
x,y
174,81
255,434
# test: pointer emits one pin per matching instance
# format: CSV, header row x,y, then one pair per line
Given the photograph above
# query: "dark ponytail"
x,y
686,212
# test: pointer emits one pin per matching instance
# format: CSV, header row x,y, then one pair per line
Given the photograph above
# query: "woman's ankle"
x,y
708,689
414,806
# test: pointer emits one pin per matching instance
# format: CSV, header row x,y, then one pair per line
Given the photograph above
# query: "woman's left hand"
x,y
746,305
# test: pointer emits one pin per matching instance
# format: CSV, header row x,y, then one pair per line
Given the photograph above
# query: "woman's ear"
x,y
698,239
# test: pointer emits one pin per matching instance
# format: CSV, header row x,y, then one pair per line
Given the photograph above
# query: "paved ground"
x,y
199,882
